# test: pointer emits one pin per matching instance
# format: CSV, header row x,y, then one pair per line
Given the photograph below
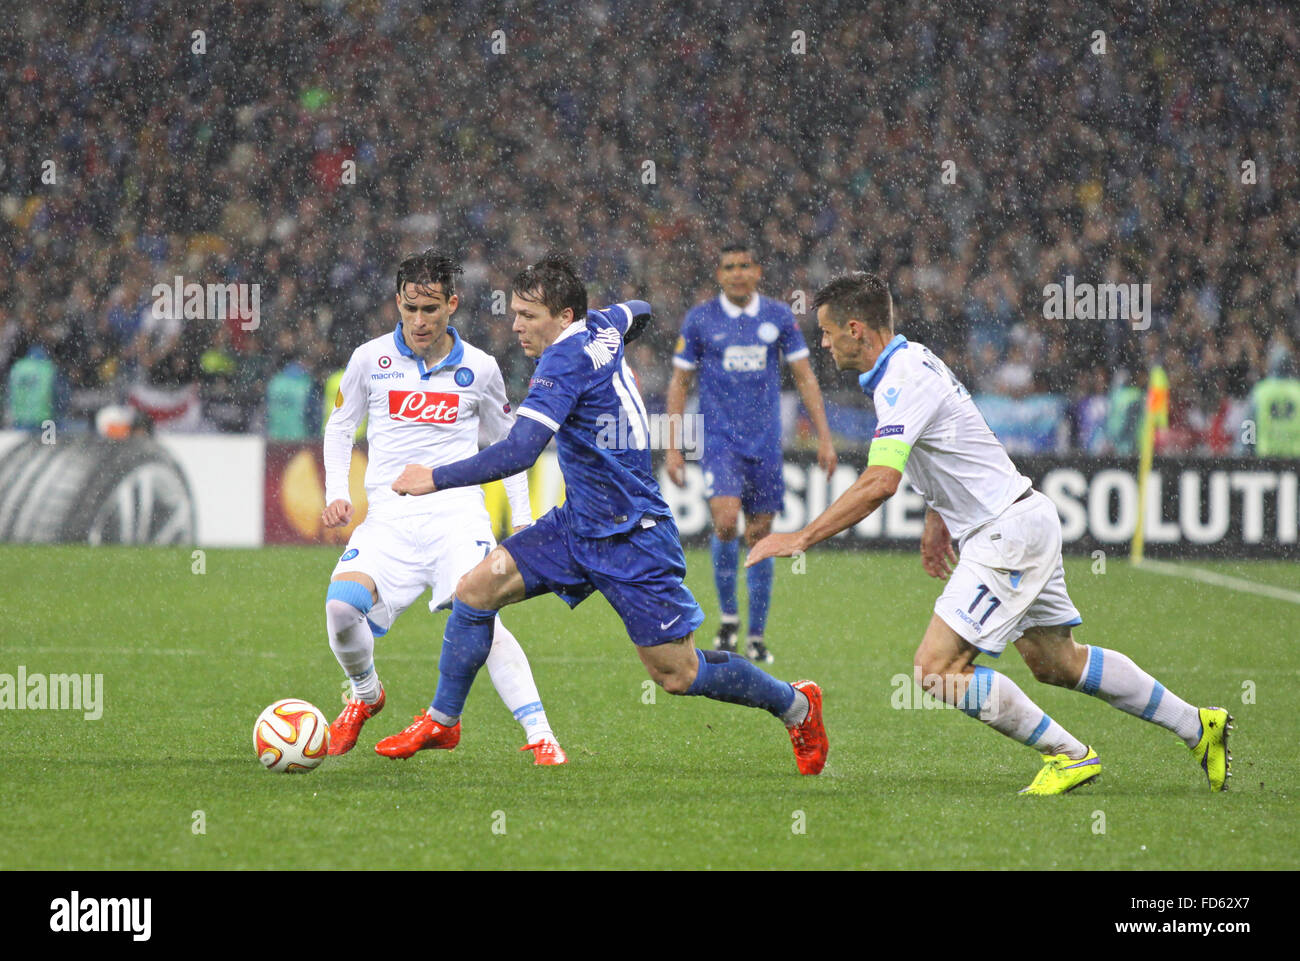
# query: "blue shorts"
x,y
640,573
757,481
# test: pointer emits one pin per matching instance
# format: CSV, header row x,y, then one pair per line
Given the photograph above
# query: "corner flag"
x,y
1156,415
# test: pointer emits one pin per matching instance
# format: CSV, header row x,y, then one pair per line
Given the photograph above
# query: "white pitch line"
x,y
1220,580
129,651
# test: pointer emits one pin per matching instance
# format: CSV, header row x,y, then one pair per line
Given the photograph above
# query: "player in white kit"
x,y
1009,585
430,398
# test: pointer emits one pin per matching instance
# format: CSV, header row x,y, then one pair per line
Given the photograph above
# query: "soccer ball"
x,y
291,735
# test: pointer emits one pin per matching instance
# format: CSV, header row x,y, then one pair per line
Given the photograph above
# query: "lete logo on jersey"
x,y
423,406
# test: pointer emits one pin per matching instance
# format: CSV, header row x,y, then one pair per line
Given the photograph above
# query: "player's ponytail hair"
x,y
427,268
553,282
858,296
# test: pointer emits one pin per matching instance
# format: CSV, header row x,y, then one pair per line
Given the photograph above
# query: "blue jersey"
x,y
738,355
584,390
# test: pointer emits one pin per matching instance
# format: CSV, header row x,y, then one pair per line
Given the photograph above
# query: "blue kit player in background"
x,y
613,534
735,342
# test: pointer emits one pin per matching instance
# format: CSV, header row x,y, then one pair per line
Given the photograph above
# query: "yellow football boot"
x,y
1211,751
1062,773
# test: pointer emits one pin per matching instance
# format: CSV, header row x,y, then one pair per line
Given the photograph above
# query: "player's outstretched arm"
x,y
496,420
937,556
875,486
517,452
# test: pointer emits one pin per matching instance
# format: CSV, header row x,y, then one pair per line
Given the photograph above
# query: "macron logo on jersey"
x,y
423,406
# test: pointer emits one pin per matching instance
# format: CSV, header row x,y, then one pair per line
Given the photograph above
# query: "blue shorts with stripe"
x,y
639,572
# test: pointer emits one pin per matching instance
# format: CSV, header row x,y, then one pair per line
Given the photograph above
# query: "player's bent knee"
x,y
672,665
675,683
756,528
492,584
475,589
1053,658
345,584
346,598
940,677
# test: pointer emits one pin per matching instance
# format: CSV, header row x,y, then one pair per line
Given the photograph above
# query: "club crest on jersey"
x,y
464,376
768,332
385,362
423,406
349,554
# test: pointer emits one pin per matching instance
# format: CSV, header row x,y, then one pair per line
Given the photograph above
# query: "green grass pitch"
x,y
190,659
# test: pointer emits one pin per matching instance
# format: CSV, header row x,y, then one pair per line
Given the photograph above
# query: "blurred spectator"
x,y
286,156
1275,409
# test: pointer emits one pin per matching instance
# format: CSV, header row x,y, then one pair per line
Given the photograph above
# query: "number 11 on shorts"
x,y
979,596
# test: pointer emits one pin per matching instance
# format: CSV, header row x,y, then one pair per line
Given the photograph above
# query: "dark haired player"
x,y
613,534
1009,585
427,394
736,342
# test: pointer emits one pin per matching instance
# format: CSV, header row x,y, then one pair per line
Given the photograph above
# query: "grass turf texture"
x,y
190,659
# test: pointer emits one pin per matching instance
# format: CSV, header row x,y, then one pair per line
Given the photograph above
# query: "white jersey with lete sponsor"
x,y
427,415
418,415
1010,575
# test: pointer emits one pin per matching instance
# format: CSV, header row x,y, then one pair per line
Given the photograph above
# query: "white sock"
x,y
513,678
999,702
798,711
1119,682
353,645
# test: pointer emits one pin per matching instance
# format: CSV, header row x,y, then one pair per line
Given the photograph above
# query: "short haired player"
x,y
613,534
1009,584
429,395
735,343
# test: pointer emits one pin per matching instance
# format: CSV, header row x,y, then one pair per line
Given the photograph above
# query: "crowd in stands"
x,y
972,153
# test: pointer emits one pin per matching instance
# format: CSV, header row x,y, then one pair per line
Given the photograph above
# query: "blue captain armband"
x,y
514,453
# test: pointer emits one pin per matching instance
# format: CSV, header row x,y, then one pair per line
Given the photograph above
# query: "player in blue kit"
x,y
735,342
613,534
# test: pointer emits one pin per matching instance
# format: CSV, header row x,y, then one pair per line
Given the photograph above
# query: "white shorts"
x,y
405,556
1009,578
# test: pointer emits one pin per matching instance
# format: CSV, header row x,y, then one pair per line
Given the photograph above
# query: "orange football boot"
x,y
346,727
425,734
546,752
809,738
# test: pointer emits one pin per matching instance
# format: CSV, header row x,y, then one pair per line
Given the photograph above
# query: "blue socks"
x,y
466,643
726,556
759,581
731,678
